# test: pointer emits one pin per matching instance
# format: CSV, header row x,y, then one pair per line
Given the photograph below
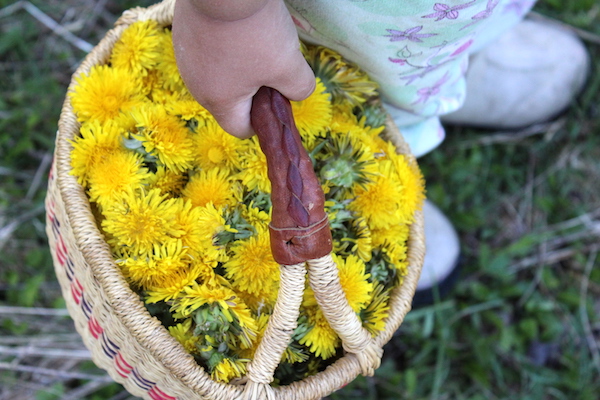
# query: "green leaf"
x,y
31,290
410,380
529,327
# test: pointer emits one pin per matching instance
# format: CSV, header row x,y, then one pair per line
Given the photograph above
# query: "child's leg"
x,y
417,51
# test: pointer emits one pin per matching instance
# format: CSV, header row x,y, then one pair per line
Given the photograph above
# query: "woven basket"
x,y
135,349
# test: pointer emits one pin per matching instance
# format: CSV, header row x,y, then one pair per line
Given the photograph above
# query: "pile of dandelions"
x,y
185,206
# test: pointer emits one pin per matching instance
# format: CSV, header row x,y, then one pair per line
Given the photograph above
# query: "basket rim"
x,y
147,330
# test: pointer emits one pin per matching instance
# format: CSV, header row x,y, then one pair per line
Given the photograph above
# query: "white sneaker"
x,y
529,75
441,256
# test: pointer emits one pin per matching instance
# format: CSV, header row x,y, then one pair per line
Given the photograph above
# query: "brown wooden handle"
x,y
299,227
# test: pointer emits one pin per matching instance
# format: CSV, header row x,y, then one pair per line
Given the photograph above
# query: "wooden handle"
x,y
299,226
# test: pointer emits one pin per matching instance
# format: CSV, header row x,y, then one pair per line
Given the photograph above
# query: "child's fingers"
x,y
234,118
299,83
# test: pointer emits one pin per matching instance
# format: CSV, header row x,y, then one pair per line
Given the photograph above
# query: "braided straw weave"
x,y
135,349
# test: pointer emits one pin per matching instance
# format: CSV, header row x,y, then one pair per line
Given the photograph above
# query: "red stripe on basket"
x,y
157,394
94,327
122,367
78,284
61,248
76,290
123,362
60,255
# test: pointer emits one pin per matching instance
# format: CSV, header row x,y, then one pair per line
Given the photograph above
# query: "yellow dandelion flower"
x,y
214,148
374,315
321,339
345,124
253,173
343,119
165,267
137,49
393,233
354,281
168,182
105,93
141,220
200,226
161,95
362,244
372,139
392,241
261,326
313,115
114,174
382,201
345,164
396,254
197,270
259,303
231,306
413,184
126,124
345,81
211,218
255,216
228,369
196,295
167,65
164,136
213,186
184,334
251,266
151,82
308,297
187,108
96,142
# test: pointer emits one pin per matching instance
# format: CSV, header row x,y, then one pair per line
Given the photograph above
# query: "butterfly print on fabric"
x,y
485,14
445,11
411,34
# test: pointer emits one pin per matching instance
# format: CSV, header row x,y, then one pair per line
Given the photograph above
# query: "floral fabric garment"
x,y
416,50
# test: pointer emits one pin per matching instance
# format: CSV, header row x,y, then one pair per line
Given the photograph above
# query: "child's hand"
x,y
227,49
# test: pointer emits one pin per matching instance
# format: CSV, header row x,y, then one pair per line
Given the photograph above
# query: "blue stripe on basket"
x,y
109,347
86,307
141,382
70,268
55,224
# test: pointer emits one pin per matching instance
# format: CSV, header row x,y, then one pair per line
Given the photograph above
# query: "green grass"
x,y
522,323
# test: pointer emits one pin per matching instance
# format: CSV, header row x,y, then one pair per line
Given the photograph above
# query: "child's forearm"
x,y
224,60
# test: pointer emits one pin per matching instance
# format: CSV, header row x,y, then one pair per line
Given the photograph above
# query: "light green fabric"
x,y
416,50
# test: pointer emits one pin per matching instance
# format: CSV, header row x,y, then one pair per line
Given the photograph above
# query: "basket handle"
x,y
299,230
300,235
299,227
